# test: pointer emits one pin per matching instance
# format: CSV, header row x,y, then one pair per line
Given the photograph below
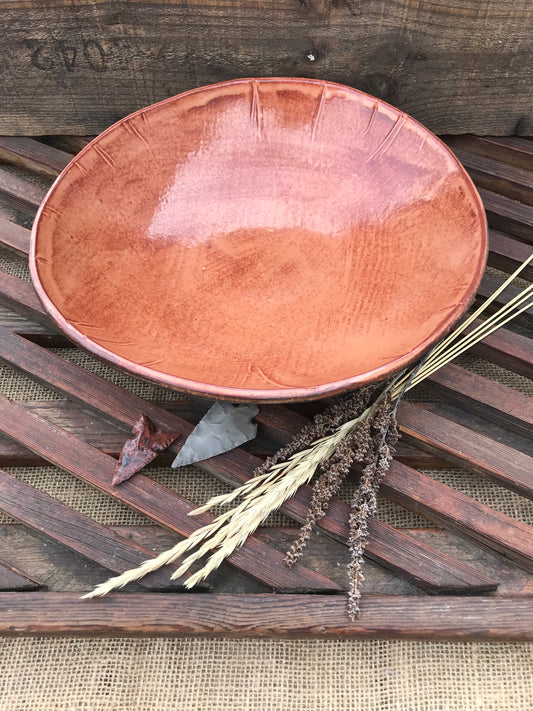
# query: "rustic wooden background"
x,y
75,67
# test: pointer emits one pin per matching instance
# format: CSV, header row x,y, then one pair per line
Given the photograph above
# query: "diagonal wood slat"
x,y
20,193
63,524
508,215
13,580
507,254
33,155
471,450
491,400
163,506
459,512
425,567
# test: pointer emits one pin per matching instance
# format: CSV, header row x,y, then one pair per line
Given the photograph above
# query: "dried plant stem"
x,y
350,430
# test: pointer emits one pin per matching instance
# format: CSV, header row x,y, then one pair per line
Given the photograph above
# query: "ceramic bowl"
x,y
261,239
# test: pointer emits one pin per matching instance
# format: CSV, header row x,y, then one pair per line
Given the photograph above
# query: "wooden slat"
x,y
32,155
424,566
493,401
446,506
507,254
19,193
14,237
469,449
100,434
147,497
489,285
13,580
452,509
512,150
507,349
508,215
68,144
75,68
20,296
515,183
65,525
430,618
27,328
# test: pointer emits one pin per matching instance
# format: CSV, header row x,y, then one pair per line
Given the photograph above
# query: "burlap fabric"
x,y
254,675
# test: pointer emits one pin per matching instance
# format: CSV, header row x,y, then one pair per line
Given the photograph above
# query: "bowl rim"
x,y
222,392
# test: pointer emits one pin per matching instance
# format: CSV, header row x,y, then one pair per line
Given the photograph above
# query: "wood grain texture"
x,y
149,498
487,398
512,150
507,254
14,237
12,579
321,616
65,525
32,155
514,183
389,547
429,428
453,509
78,67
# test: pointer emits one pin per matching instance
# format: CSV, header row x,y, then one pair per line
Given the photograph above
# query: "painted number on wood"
x,y
62,55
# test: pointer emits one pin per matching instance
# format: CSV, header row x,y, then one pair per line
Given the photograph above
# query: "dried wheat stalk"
x,y
362,428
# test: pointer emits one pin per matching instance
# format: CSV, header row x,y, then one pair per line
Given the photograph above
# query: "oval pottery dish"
x,y
261,239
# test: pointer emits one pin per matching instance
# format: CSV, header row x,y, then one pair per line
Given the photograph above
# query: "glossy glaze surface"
x,y
261,239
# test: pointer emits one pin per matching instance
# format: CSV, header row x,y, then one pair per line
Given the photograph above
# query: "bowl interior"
x,y
261,239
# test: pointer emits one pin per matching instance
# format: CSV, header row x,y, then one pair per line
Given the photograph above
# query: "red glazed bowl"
x,y
261,239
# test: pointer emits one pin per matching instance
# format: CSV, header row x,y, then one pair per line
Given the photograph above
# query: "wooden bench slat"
x,y
13,580
78,532
147,497
453,509
508,180
469,449
489,284
20,193
508,215
507,254
507,349
14,237
512,150
431,618
425,567
487,398
33,155
100,434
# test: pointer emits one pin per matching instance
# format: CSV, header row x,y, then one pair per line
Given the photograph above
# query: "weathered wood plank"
x,y
431,618
507,254
507,349
32,155
20,296
35,332
489,285
387,546
20,193
469,449
515,183
78,68
101,434
454,510
508,215
509,149
147,497
12,579
487,398
14,237
63,524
